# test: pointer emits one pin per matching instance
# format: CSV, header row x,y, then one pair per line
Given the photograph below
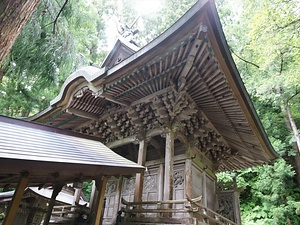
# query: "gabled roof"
x,y
185,76
122,50
51,155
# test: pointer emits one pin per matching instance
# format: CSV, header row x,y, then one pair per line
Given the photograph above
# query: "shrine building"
x,y
179,108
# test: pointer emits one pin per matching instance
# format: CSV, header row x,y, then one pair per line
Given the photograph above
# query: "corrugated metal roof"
x,y
27,143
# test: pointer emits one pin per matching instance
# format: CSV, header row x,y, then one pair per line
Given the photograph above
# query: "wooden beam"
x,y
101,201
149,97
139,178
112,99
57,188
195,48
82,113
131,139
14,204
121,142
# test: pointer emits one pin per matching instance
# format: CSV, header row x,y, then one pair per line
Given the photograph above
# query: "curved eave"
x,y
236,82
88,74
203,11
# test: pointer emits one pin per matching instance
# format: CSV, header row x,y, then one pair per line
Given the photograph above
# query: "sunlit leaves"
x,y
50,47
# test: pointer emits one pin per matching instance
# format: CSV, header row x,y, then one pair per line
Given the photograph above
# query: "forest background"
x,y
264,39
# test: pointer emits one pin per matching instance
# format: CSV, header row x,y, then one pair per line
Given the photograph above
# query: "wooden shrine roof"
x,y
186,77
52,155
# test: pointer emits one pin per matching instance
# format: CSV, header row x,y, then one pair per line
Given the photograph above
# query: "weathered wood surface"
x,y
99,211
139,177
56,189
13,16
169,166
191,209
13,207
187,78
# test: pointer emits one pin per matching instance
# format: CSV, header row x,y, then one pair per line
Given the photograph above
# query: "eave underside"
x,y
183,86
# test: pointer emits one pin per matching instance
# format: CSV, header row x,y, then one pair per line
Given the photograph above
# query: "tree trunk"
x,y
291,126
13,16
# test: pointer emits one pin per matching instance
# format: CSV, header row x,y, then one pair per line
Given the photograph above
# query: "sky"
x,y
144,7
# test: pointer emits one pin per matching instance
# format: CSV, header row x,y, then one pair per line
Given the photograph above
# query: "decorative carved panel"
x,y
128,185
227,206
111,187
150,183
178,179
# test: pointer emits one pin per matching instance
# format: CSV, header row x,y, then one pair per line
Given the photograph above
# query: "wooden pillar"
x,y
100,201
77,192
93,197
139,178
188,178
15,202
56,189
76,198
169,166
204,193
117,199
160,182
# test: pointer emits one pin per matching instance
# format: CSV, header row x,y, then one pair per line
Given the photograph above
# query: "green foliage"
x,y
159,21
50,47
269,194
87,189
263,36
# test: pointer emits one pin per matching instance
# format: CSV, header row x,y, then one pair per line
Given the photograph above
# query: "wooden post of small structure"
x,y
14,204
139,178
169,168
100,201
117,199
56,189
93,197
77,193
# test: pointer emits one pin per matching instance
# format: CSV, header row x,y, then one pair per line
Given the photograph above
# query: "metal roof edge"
x,y
35,125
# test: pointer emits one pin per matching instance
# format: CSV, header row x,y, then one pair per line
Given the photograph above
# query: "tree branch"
x,y
57,16
244,60
289,24
294,95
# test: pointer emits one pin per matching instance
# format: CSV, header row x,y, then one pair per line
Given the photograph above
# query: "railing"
x,y
207,215
68,212
186,211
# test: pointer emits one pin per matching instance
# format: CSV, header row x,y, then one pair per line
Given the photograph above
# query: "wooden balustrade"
x,y
185,211
67,213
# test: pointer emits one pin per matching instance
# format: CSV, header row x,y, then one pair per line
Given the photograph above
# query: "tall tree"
x,y
13,16
264,39
59,37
